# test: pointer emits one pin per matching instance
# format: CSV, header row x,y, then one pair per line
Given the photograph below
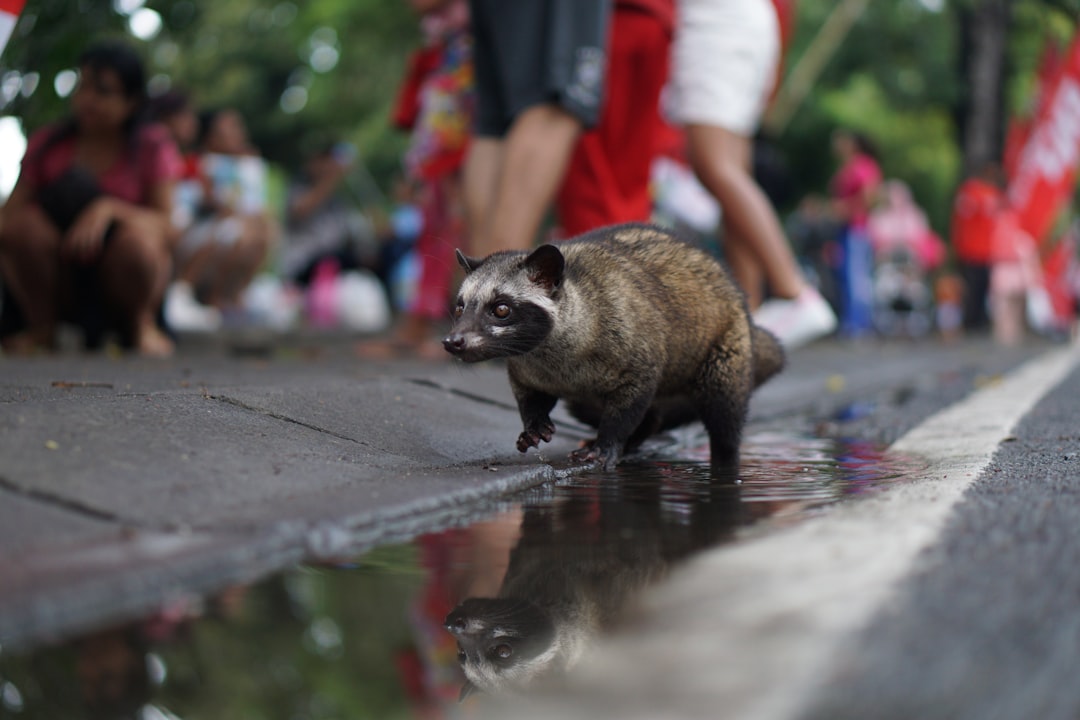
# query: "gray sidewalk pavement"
x,y
126,482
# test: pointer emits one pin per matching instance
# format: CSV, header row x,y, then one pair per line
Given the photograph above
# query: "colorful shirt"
x,y
442,102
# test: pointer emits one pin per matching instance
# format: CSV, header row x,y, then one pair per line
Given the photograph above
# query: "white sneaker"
x,y
798,321
184,313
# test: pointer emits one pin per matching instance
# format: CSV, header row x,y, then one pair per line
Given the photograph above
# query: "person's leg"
x,y
539,84
241,261
483,164
134,271
197,267
752,230
744,264
29,263
535,155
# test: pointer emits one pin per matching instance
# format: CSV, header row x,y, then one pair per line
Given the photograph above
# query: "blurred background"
x,y
940,86
932,81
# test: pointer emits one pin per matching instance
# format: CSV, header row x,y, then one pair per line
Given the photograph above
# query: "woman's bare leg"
x,y
135,269
241,262
30,264
721,160
481,180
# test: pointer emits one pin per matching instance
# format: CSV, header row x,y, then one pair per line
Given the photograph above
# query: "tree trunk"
x,y
984,35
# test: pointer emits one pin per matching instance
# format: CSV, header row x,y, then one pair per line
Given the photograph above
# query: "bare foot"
x,y
151,342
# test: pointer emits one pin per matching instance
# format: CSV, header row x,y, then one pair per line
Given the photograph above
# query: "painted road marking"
x,y
749,630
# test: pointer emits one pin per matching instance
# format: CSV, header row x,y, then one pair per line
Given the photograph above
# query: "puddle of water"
x,y
525,593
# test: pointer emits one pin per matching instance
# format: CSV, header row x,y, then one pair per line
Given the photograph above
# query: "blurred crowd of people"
x,y
142,217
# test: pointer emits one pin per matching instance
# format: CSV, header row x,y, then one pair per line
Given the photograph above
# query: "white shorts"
x,y
724,63
220,231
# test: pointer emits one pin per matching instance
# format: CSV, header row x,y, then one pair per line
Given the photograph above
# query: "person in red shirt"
x,y
85,234
607,181
976,207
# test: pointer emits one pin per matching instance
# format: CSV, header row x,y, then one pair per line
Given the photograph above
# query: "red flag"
x,y
9,13
1046,168
1050,67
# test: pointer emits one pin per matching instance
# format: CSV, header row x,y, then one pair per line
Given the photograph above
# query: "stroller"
x,y
905,251
903,302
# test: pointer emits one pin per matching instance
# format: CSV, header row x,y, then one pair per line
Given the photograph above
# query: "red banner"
x,y
9,13
1045,171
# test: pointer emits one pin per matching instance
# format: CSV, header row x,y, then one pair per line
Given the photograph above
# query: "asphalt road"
x,y
989,627
123,483
953,595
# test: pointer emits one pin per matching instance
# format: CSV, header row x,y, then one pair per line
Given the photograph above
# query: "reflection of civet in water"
x,y
636,329
570,577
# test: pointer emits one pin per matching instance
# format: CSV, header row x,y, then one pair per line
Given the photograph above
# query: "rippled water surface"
x,y
534,582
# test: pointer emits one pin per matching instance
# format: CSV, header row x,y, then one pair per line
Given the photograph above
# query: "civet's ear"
x,y
545,266
467,263
467,690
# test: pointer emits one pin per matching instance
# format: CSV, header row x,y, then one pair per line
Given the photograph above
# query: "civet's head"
x,y
506,305
504,645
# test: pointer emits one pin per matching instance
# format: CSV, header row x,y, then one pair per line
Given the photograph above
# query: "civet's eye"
x,y
502,651
459,308
501,311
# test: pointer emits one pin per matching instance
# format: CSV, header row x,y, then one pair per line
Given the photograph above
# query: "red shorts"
x,y
608,178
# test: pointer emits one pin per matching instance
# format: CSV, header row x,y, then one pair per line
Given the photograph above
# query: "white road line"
x,y
748,630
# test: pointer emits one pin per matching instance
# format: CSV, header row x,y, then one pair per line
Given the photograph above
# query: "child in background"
x,y
949,306
436,103
1014,270
223,249
183,311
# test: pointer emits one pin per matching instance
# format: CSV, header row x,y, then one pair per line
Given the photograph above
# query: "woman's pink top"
x,y
850,183
152,159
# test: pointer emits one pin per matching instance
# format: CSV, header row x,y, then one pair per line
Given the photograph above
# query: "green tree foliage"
x,y
303,72
897,78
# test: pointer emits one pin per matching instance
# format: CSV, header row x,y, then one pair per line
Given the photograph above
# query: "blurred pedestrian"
x,y
85,236
608,178
725,64
1015,271
319,220
437,104
183,312
540,67
899,226
222,250
978,202
855,189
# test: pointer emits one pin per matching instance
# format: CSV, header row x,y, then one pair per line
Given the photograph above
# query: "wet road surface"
x,y
364,636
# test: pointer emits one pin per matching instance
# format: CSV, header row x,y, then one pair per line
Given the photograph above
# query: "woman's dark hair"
x,y
121,59
207,120
865,145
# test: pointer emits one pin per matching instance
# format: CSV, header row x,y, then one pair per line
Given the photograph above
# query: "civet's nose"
x,y
454,343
